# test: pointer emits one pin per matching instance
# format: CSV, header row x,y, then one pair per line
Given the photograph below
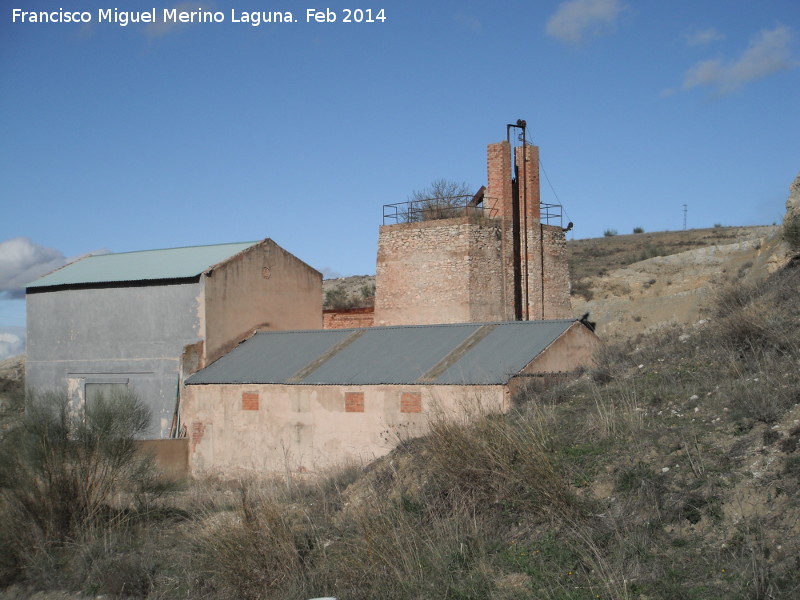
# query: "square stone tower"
x,y
492,259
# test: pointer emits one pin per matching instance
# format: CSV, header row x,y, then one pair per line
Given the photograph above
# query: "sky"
x,y
156,135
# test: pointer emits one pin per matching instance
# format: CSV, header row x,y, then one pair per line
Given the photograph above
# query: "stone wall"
x,y
439,271
557,303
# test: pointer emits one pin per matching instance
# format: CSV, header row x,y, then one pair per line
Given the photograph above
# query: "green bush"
x,y
638,230
368,292
610,232
337,298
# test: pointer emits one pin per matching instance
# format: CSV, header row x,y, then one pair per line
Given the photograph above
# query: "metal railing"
x,y
551,214
431,209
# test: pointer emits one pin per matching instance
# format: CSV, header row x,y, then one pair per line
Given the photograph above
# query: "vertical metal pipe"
x,y
525,214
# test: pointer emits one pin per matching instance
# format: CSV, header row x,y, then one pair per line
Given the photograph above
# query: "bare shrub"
x,y
368,292
760,391
442,199
62,472
60,468
582,288
762,317
259,548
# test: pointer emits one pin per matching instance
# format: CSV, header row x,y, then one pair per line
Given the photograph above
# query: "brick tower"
x,y
492,259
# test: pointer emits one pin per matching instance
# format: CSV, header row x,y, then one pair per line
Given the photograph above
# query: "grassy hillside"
x,y
671,470
597,256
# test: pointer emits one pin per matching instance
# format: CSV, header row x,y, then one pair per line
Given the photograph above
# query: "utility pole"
x,y
684,216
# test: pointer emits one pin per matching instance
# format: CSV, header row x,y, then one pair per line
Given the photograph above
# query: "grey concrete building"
x,y
146,320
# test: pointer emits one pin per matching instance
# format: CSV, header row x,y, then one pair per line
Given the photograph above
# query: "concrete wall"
x,y
263,287
171,456
132,335
235,429
573,350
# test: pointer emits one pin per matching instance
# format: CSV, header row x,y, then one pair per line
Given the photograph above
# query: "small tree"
x,y
442,199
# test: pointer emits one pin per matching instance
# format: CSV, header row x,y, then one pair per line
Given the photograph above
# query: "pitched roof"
x,y
463,353
145,265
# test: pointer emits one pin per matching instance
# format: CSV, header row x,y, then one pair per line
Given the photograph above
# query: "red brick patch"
x,y
249,400
354,402
198,429
410,402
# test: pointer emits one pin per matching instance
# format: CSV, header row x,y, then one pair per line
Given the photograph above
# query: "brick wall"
x,y
498,188
348,318
527,163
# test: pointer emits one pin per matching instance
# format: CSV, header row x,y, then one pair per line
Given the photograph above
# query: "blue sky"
x,y
161,135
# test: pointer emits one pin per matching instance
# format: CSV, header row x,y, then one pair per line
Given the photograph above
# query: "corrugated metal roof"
x,y
463,353
171,263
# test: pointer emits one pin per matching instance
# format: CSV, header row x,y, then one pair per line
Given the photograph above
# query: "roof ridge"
x,y
165,249
419,326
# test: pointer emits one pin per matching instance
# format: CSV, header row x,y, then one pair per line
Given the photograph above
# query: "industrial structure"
x,y
226,343
302,401
144,320
499,255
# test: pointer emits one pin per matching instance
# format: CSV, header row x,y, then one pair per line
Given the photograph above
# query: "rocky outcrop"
x,y
793,201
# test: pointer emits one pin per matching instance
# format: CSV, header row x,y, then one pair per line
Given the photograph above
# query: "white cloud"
x,y
701,38
575,19
767,53
22,261
11,345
